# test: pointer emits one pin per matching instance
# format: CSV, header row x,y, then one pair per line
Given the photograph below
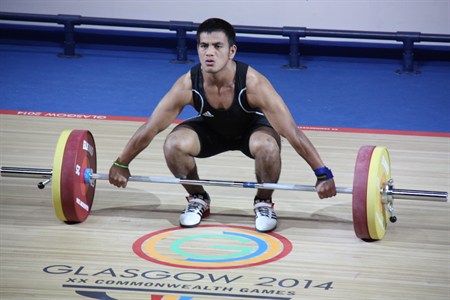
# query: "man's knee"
x,y
181,141
267,153
265,147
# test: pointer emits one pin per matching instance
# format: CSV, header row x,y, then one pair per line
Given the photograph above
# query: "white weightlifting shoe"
x,y
197,209
265,217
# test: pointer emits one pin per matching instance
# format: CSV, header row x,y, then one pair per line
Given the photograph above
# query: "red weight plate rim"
x,y
88,159
76,196
359,194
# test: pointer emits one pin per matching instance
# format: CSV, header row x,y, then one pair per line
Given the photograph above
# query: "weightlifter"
x,y
238,109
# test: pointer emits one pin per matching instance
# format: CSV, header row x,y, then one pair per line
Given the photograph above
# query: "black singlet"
x,y
220,130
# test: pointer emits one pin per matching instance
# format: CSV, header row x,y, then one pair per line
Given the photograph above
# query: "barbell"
x,y
74,179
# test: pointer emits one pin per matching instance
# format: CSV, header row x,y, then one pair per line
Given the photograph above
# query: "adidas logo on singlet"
x,y
208,114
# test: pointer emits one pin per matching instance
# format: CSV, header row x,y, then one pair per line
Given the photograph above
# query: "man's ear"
x,y
233,50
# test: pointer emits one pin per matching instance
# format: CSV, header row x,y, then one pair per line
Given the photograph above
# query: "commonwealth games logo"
x,y
212,247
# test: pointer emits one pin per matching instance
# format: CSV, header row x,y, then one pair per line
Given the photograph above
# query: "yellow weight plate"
x,y
379,173
56,174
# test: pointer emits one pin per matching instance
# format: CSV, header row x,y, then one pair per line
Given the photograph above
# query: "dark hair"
x,y
216,24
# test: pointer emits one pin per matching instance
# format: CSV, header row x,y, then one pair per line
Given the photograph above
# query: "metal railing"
x,y
181,28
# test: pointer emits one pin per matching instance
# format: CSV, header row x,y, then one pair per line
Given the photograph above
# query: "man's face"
x,y
214,51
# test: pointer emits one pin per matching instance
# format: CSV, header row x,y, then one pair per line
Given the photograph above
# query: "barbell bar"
x,y
74,179
390,191
395,193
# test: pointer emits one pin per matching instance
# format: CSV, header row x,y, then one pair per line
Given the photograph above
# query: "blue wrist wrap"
x,y
323,173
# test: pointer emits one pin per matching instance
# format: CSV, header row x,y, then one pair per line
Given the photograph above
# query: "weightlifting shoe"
x,y
196,210
265,217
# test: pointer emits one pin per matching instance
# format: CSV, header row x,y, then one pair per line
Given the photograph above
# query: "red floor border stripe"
x,y
140,119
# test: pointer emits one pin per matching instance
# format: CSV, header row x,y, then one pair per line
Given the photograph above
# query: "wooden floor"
x,y
43,258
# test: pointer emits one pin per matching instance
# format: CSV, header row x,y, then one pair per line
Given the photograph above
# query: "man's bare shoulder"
x,y
252,76
256,81
182,88
255,78
184,82
180,94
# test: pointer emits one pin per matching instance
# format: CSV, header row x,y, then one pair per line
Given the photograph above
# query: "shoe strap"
x,y
263,204
194,200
